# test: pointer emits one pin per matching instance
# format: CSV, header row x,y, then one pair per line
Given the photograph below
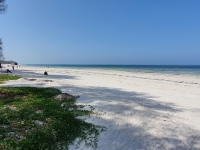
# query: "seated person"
x,y
8,71
45,73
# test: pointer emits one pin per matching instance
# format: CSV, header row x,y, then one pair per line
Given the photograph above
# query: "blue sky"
x,y
151,32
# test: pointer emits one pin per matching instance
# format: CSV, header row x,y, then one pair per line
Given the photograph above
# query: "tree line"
x,y
3,8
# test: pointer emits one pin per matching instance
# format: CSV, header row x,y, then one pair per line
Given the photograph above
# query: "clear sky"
x,y
152,32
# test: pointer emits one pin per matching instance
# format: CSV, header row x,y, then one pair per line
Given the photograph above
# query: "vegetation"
x,y
5,77
1,51
31,119
8,62
3,7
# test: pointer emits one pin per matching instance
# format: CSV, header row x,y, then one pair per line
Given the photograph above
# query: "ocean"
x,y
162,69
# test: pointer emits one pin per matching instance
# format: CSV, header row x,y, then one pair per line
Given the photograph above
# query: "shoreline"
x,y
188,70
143,110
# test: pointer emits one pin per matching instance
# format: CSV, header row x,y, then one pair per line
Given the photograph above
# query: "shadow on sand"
x,y
31,74
137,120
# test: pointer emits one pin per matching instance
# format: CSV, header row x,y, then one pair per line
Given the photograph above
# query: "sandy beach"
x,y
142,110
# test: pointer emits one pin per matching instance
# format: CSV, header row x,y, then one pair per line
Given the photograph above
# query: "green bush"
x,y
31,119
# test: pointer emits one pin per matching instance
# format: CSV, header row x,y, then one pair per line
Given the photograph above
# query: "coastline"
x,y
143,110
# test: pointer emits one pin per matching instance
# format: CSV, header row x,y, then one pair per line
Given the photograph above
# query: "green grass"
x,y
30,119
6,77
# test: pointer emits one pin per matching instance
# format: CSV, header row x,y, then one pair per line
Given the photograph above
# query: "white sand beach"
x,y
142,110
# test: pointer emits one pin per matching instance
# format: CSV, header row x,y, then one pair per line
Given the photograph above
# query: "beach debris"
x,y
30,79
63,96
47,80
38,80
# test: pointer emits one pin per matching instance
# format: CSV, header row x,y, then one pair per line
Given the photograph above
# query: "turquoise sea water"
x,y
166,69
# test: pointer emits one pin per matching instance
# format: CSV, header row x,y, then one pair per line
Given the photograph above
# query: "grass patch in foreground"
x,y
31,120
6,77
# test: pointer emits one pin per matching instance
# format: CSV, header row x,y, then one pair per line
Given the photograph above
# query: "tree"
x,y
1,50
3,7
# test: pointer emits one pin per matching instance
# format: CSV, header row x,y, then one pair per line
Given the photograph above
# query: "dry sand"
x,y
143,110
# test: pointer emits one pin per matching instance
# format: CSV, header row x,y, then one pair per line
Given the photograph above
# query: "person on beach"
x,y
8,71
45,73
13,67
